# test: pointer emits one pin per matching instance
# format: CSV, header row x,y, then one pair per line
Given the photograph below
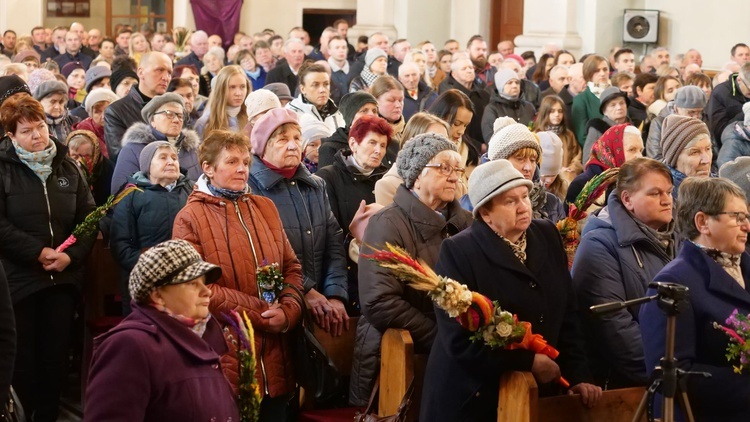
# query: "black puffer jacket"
x,y
519,110
118,118
7,338
330,146
34,215
386,301
479,97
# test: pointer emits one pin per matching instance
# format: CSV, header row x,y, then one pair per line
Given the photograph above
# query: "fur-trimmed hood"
x,y
141,133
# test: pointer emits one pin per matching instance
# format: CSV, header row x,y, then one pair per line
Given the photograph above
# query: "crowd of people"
x,y
267,150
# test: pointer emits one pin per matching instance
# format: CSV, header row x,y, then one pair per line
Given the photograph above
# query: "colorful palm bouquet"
x,y
568,226
270,281
90,225
249,398
738,330
488,322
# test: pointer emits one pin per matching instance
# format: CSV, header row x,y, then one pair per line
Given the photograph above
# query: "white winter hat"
x,y
509,140
260,101
491,179
502,122
746,110
552,153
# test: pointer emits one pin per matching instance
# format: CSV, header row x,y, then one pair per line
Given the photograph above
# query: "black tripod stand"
x,y
666,378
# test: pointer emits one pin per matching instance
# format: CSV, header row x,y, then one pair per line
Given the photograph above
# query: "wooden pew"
x,y
519,401
398,366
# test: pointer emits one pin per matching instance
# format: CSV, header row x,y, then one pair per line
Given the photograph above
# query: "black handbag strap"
x,y
403,407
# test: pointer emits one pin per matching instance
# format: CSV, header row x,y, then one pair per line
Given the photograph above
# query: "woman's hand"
x,y
321,308
56,261
44,256
590,394
275,319
340,320
545,370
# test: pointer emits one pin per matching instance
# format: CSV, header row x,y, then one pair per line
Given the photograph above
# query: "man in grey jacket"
x,y
154,73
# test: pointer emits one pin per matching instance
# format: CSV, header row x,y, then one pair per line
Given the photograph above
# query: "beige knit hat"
x,y
509,140
502,122
676,134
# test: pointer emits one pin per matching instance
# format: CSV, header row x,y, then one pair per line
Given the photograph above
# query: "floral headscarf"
x,y
608,151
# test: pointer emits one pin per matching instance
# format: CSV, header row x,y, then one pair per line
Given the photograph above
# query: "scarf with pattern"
x,y
556,129
368,76
597,89
663,237
608,151
538,198
230,194
518,248
198,326
39,162
730,262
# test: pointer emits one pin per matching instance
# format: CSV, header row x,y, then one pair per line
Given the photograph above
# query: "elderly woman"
x,y
240,232
145,217
618,145
376,64
351,179
278,174
47,198
614,108
167,350
420,123
423,213
686,146
53,97
314,97
519,262
506,101
713,265
623,246
520,146
313,133
226,108
353,106
213,62
165,115
688,101
586,105
83,147
95,104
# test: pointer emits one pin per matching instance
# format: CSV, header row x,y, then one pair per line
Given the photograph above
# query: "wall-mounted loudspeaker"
x,y
640,26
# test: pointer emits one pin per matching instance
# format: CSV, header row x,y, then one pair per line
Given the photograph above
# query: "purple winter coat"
x,y
152,368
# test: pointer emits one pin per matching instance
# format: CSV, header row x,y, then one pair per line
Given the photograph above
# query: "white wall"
x,y
468,18
21,15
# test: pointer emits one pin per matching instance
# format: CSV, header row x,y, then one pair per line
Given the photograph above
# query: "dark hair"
x,y
542,119
124,30
447,104
60,28
590,64
367,124
18,108
177,71
642,80
560,53
540,74
631,173
338,22
245,53
661,85
622,51
703,195
698,79
443,53
106,39
274,38
734,47
363,39
123,62
9,30
260,44
528,55
36,28
219,140
177,83
472,39
307,68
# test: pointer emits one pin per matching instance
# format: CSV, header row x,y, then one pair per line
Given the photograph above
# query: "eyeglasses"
x,y
740,216
446,169
171,115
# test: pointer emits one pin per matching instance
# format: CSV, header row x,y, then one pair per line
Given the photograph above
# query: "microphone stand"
x,y
666,377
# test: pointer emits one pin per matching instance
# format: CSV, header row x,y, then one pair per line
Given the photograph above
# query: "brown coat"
x,y
212,224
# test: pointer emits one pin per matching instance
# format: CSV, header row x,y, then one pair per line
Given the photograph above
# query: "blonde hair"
x,y
133,37
526,152
217,101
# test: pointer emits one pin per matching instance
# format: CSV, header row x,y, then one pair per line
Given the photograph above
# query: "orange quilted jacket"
x,y
219,230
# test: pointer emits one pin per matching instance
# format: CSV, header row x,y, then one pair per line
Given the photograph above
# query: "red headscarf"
x,y
608,151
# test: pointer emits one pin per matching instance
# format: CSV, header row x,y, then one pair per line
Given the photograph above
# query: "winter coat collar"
x,y
718,280
427,222
143,182
301,105
498,251
497,98
202,194
268,178
151,320
140,133
339,160
8,152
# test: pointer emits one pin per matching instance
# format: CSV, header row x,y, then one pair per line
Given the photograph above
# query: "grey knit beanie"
x,y
738,171
491,179
746,110
372,55
48,88
155,104
503,76
676,133
510,139
690,96
418,152
352,102
147,154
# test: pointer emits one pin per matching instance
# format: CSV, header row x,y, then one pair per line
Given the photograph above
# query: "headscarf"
x,y
91,169
608,151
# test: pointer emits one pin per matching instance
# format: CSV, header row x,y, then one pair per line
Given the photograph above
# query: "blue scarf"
x,y
39,162
230,194
254,75
677,178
